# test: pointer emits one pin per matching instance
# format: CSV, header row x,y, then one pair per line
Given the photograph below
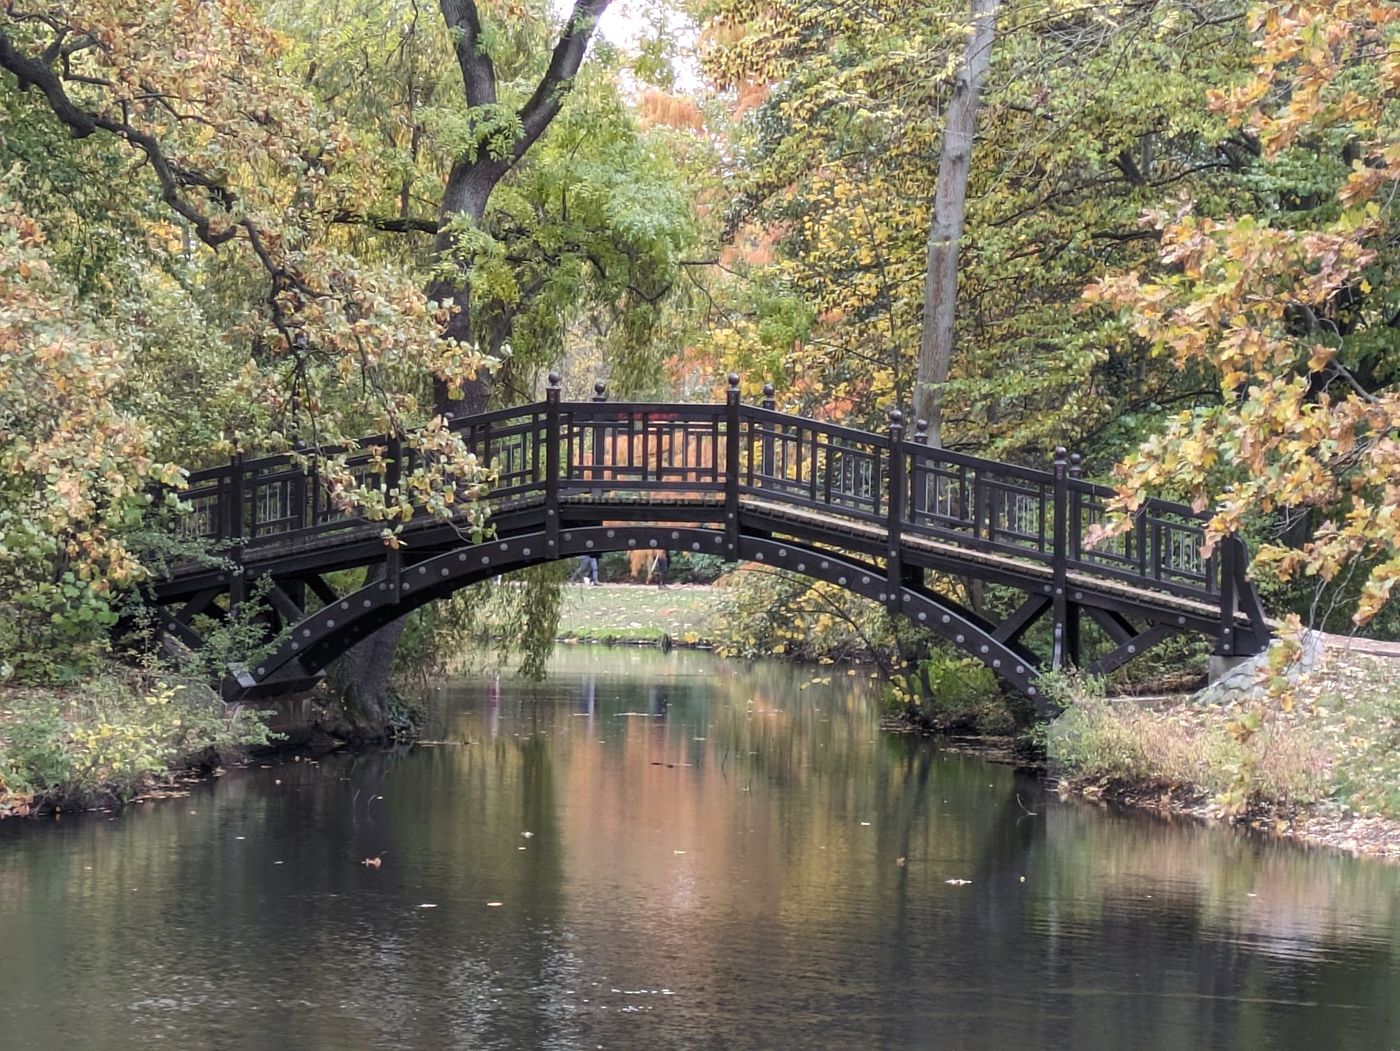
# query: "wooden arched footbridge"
x,y
878,514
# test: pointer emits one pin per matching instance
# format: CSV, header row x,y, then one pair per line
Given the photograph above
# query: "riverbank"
x,y
120,733
637,615
1315,759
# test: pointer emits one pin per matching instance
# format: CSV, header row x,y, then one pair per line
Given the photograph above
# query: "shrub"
x,y
112,735
953,693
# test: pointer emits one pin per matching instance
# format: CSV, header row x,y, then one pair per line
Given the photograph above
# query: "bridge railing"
x,y
816,465
512,443
1049,516
979,503
618,446
1165,545
551,448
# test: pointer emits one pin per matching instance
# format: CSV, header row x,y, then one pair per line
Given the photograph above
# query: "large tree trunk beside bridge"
x,y
360,679
362,675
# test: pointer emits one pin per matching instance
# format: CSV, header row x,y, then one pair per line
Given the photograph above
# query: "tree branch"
x,y
82,123
388,224
478,72
544,104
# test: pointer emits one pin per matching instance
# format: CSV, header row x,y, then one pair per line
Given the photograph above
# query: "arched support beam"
x,y
330,631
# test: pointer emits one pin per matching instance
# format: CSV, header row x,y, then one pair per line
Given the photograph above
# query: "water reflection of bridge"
x,y
877,514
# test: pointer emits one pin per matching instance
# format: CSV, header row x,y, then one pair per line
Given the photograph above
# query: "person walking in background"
x,y
587,570
659,567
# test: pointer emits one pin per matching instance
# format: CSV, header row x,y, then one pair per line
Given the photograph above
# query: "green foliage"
x,y
75,460
300,137
112,735
763,613
952,693
1092,114
517,615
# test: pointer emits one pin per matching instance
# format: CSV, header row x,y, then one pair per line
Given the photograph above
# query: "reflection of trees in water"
x,y
777,871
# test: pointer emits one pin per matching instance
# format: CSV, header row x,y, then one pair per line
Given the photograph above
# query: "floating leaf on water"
x,y
427,905
957,882
494,904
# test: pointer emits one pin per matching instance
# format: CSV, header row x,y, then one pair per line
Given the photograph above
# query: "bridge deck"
x,y
744,477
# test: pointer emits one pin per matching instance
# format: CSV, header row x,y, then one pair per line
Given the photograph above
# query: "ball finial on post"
x,y
554,379
733,381
600,391
921,431
1076,465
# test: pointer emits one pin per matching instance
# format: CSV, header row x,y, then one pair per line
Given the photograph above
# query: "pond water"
x,y
654,851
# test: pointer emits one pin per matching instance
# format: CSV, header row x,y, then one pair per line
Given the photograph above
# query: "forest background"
x,y
1159,232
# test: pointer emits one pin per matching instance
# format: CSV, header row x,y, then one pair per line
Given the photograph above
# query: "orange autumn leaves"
x,y
73,465
1276,303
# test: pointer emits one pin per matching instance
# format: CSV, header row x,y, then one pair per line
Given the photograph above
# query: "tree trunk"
x,y
946,225
360,678
362,675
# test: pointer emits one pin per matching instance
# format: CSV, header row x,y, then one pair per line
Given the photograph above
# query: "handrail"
x,y
912,491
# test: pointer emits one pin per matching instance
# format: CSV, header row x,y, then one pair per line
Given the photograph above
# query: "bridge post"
x,y
551,464
600,395
238,585
767,461
314,481
731,467
1229,596
393,481
1064,613
894,509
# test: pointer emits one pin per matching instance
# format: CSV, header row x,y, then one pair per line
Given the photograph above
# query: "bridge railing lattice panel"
x,y
816,465
633,446
1165,547
979,503
511,443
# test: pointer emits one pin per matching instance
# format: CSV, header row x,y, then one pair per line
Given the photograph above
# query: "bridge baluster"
x,y
894,567
1065,614
731,466
766,468
551,468
919,476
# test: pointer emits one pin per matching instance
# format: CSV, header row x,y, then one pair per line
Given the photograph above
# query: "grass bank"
x,y
635,614
114,736
1316,759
